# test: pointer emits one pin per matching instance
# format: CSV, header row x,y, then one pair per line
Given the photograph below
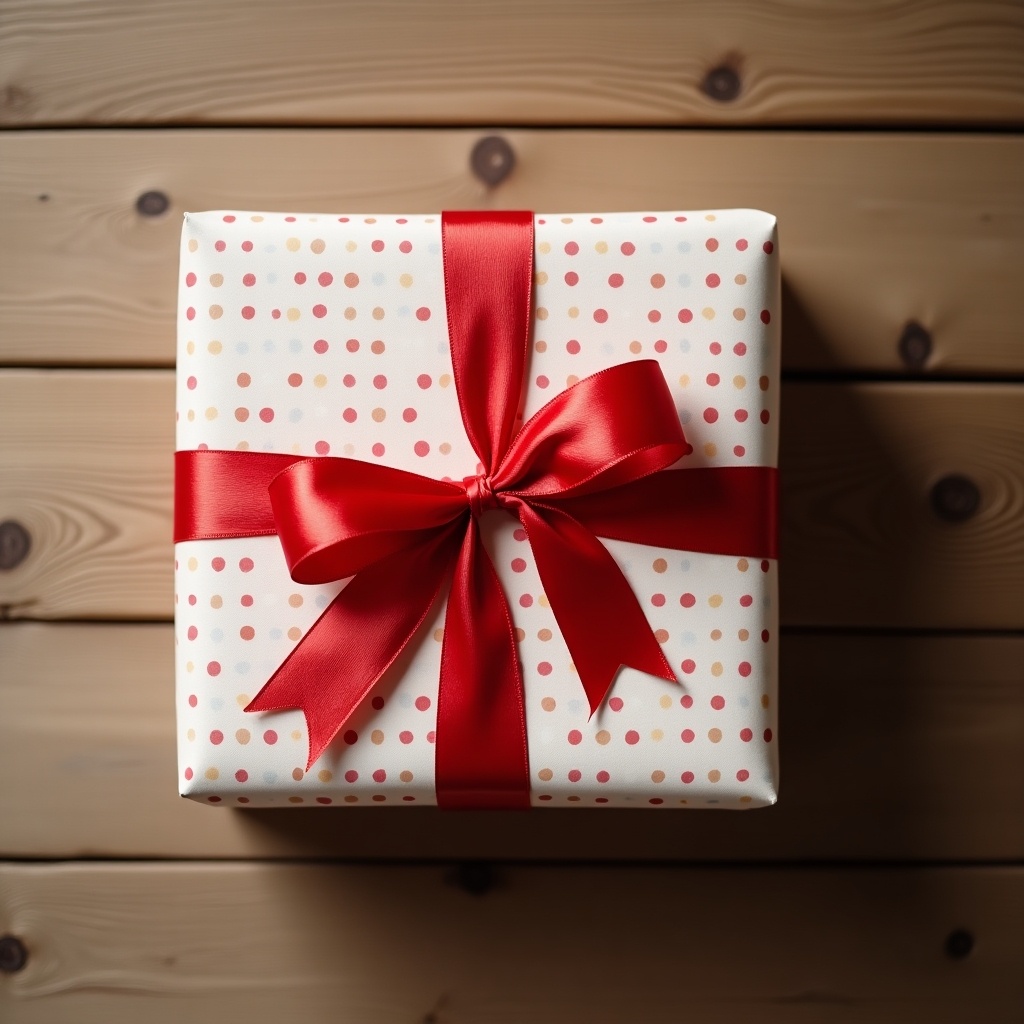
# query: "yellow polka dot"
x,y
544,634
714,775
256,218
377,737
710,216
325,775
743,634
296,735
715,600
294,633
348,449
351,247
739,314
190,347
190,735
740,278
711,449
216,312
351,798
216,280
544,247
657,735
520,635
762,383
213,774
603,737
661,635
191,415
295,600
444,448
215,348
541,277
635,347
292,244
242,699
216,601
243,735
765,701
405,280
684,380
542,600
545,775
211,413
571,379
548,704
567,220
295,800
715,735
659,565
293,314
193,564
745,799
378,313
665,701
298,774
708,313
378,415
242,446
574,312
601,247
716,668
405,776
657,776
444,380
716,634
350,312
542,313
189,667
193,244
541,346
319,380
743,565
739,382
318,245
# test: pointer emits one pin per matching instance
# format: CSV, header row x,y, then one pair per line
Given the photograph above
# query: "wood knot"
x,y
955,498
15,542
915,345
492,160
722,84
13,954
152,204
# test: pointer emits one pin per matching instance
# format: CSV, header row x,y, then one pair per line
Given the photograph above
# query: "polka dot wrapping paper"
x,y
327,335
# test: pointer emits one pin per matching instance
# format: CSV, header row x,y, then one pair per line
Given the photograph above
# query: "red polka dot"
x,y
765,416
229,218
615,703
687,735
351,737
575,737
322,448
711,244
741,415
655,800
766,317
767,735
688,666
712,280
247,632
686,700
518,564
266,414
380,775
351,775
739,348
294,379
601,315
525,601
710,415
742,775
571,248
270,737
739,451
431,736
765,565
191,383
319,311
602,777
575,775
349,415
615,280
741,244
409,415
768,248
519,534
686,777
713,379
241,775
217,564
246,600
572,347
632,737
685,316
190,279
660,346
188,773
544,668
249,280
658,600
300,277
214,799
248,312
424,381
423,313
715,348
378,449
380,382
213,668
421,448
422,703
718,702
765,635
193,700
627,248
654,316
377,245
348,380
542,381
220,245
405,736
325,279
405,246
572,278
746,735
216,737
377,703
320,346
687,600
323,800
746,601
351,280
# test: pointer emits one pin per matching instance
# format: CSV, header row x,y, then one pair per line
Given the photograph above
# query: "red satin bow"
x,y
587,463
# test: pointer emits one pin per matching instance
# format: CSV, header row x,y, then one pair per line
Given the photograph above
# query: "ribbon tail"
x,y
597,612
363,630
481,755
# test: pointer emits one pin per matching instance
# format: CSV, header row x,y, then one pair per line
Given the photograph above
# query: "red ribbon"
x,y
591,462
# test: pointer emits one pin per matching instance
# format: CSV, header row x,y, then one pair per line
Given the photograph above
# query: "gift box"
x,y
477,510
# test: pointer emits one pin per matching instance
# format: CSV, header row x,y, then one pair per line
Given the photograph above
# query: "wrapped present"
x,y
477,509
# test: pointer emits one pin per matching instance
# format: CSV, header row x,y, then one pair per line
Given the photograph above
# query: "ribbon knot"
x,y
481,496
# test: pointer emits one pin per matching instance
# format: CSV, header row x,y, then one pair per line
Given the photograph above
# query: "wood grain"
x,y
239,942
893,748
860,544
877,230
527,62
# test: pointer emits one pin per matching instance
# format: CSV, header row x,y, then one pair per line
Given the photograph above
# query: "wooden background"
x,y
888,884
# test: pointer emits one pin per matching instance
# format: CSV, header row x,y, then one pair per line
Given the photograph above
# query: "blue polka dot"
x,y
276,634
270,248
685,417
683,246
684,280
271,278
242,668
685,565
607,348
404,700
655,246
684,345
217,704
378,279
295,415
433,248
744,702
688,638
269,346
295,345
242,348
322,601
270,778
575,706
216,635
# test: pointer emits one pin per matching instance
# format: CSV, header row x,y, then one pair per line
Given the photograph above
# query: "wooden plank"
x,y
240,942
893,747
877,230
861,544
528,62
